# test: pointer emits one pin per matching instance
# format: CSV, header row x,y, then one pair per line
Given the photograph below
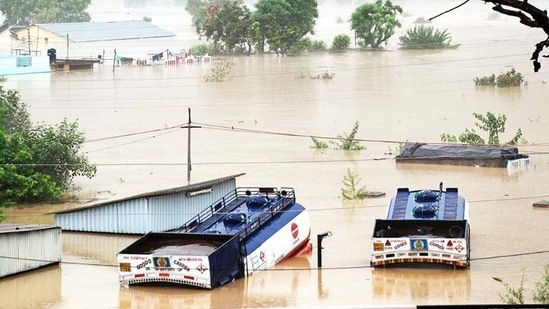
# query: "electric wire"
x,y
486,258
177,128
494,257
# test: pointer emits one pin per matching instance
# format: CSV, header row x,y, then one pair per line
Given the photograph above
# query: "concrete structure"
x,y
25,247
23,64
157,211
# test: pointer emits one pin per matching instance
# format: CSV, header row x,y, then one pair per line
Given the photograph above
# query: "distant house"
x,y
40,37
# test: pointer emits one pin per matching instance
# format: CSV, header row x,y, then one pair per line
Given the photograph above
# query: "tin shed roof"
x,y
13,227
107,31
188,188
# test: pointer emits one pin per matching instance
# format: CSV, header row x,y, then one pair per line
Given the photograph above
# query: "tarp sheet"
x,y
421,150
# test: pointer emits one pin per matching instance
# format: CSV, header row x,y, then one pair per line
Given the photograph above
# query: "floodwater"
x,y
260,122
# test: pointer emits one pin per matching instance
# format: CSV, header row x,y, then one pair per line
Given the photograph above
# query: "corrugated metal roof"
x,y
14,228
184,189
107,31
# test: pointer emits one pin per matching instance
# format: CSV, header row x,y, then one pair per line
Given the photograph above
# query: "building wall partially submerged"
x,y
27,247
149,212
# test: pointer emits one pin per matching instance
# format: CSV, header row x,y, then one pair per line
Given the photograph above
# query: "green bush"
x,y
302,46
318,45
220,71
515,296
318,144
486,80
341,43
347,141
541,292
509,79
426,37
199,50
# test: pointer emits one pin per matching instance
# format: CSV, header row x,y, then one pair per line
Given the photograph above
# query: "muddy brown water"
x,y
259,123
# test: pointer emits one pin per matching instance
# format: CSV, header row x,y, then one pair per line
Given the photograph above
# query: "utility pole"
x,y
29,39
114,60
189,126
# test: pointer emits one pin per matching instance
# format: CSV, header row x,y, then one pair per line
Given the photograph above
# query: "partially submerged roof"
x,y
184,189
449,150
497,156
427,204
106,31
13,227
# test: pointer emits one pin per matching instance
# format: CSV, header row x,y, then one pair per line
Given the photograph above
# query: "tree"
x,y
375,23
528,15
351,189
25,12
195,8
235,20
16,119
19,180
283,23
228,24
56,151
37,163
489,123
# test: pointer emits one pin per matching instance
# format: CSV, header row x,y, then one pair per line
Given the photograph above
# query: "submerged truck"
x,y
248,230
423,227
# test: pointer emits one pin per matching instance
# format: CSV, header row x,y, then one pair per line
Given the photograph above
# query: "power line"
x,y
487,258
311,210
278,133
176,128
132,134
132,142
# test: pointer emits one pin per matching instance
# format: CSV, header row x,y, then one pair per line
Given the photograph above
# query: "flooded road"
x,y
260,123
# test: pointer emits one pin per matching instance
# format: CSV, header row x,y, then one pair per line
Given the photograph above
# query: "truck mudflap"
x,y
421,241
201,260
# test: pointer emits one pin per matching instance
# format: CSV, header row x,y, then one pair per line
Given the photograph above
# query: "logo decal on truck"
x,y
378,246
161,262
201,268
419,244
295,230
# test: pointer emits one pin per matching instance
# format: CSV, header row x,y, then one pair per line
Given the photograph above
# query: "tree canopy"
x,y
375,23
528,15
25,12
227,24
284,23
230,25
37,162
